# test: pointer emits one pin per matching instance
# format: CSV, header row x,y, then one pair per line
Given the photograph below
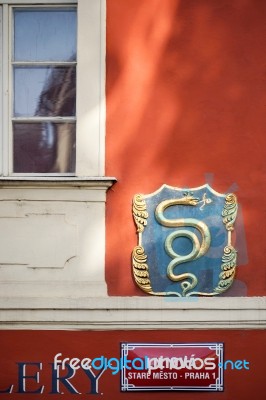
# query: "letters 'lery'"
x,y
184,241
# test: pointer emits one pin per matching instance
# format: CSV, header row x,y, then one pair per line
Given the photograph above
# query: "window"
x,y
44,89
52,87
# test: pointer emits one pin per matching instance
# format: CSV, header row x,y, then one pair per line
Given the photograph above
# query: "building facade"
x,y
149,93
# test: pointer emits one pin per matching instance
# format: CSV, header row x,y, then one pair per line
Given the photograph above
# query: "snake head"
x,y
191,200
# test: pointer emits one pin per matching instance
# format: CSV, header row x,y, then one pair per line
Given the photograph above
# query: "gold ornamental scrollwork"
x,y
140,212
230,211
229,258
228,269
141,269
139,258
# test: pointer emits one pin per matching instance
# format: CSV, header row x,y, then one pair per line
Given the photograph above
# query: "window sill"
x,y
57,181
55,188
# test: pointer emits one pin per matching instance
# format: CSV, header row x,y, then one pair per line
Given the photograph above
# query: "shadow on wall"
x,y
184,98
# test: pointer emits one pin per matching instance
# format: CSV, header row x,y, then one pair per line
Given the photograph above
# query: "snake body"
x,y
198,249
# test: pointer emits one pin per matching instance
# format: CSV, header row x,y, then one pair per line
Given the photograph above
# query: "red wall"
x,y
42,346
185,106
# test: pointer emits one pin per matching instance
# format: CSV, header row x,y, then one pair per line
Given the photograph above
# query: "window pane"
x,y
44,147
45,34
44,91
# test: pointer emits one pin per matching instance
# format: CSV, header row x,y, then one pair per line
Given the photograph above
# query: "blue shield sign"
x,y
184,241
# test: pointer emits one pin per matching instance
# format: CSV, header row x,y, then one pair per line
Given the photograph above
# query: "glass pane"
x,y
44,147
45,34
44,91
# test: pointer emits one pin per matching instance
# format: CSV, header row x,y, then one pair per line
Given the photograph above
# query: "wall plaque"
x,y
184,241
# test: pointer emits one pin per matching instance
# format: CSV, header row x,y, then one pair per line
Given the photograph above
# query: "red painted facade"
x,y
185,106
41,347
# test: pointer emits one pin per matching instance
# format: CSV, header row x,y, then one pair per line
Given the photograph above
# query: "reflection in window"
x,y
44,82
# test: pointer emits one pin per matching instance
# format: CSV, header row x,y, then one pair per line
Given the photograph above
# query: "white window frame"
x,y
90,99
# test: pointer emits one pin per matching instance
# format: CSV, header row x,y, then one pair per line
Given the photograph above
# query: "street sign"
x,y
172,366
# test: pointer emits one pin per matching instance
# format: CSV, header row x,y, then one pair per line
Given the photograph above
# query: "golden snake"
x,y
198,250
